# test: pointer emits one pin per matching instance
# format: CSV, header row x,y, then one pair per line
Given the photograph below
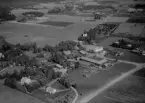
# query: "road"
x,y
90,96
75,99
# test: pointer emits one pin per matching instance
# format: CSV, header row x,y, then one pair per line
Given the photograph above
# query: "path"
x,y
90,96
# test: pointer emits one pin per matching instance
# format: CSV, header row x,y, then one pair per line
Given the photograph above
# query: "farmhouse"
x,y
98,62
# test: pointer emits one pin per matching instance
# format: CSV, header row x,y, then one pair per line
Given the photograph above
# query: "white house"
x,y
25,80
85,35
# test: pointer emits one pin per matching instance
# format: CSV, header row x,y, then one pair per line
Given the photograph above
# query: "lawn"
x,y
87,85
57,23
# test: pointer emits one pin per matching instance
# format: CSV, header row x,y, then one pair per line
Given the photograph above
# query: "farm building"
x,y
98,62
95,48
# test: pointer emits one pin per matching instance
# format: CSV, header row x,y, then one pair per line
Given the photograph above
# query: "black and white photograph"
x,y
72,51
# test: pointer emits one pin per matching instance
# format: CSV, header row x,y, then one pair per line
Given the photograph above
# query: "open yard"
x,y
87,85
57,23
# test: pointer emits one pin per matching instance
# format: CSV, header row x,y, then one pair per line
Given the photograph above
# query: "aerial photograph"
x,y
72,51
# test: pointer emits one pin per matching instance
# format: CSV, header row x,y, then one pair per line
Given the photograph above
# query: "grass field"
x,y
57,23
87,85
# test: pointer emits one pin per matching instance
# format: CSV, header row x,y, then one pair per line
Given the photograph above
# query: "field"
x,y
15,33
87,85
57,23
26,3
129,90
129,29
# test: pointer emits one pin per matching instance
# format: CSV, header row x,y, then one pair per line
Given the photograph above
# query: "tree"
x,y
66,45
5,14
49,48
